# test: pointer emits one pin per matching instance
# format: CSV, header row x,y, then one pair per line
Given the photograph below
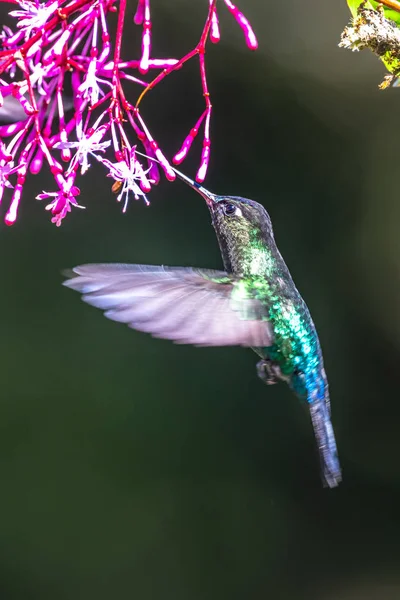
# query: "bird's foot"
x,y
266,371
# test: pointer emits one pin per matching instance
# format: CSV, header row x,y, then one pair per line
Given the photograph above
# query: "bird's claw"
x,y
266,372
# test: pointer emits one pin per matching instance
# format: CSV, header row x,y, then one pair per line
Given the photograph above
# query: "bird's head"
x,y
238,222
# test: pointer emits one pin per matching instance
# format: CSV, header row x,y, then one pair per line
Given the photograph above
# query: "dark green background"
x,y
134,468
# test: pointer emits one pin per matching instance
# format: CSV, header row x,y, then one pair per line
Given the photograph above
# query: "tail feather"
x,y
323,430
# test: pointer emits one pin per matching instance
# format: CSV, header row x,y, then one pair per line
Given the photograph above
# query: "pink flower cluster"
x,y
66,43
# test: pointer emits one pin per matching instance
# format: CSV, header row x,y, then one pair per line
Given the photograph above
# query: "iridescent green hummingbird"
x,y
253,302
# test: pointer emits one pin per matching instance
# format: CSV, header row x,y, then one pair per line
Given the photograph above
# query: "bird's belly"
x,y
286,364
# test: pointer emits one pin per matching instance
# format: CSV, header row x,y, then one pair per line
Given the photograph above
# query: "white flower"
x,y
89,88
33,15
128,175
85,145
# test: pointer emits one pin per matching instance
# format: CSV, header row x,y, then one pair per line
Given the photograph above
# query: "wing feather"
x,y
183,304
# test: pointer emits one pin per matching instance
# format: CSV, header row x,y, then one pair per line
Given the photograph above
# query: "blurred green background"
x,y
134,468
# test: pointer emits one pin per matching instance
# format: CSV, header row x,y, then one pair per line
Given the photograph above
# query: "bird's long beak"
x,y
209,197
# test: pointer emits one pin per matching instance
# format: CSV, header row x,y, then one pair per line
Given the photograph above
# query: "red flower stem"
x,y
73,63
200,49
118,37
203,76
164,73
181,155
32,97
146,38
116,83
207,25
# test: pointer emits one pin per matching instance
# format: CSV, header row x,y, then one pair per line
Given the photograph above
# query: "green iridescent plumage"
x,y
253,303
264,276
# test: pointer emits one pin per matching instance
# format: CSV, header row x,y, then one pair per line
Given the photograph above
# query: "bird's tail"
x,y
323,430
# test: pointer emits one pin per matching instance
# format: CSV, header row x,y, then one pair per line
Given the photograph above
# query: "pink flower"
x,y
62,204
59,43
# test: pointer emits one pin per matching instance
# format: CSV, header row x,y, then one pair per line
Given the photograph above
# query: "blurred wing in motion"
x,y
186,305
11,110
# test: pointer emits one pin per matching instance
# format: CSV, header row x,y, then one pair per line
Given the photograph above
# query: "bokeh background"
x,y
134,468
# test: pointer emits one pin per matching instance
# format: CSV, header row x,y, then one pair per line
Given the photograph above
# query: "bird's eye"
x,y
229,209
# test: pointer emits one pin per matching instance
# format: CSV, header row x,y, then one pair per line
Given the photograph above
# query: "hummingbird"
x,y
253,303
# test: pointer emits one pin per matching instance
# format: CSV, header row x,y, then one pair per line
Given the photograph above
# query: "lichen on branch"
x,y
372,28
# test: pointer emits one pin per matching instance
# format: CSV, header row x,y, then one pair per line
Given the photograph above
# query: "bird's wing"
x,y
186,305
